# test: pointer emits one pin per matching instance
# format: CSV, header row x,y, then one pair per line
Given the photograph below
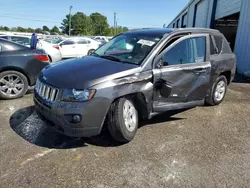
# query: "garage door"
x,y
201,13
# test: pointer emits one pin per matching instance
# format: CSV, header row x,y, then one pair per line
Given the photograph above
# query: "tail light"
x,y
56,46
43,58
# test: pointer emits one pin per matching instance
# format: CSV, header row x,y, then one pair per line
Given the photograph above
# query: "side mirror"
x,y
160,63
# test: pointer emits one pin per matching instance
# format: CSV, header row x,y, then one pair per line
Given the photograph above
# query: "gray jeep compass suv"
x,y
136,75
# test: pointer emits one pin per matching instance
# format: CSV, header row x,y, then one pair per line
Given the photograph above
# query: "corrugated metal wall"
x,y
201,14
191,13
242,44
185,20
227,7
203,17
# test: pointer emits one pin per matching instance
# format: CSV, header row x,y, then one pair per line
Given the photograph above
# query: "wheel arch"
x,y
139,100
227,74
10,68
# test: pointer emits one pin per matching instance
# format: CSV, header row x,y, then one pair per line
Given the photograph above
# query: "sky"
x,y
130,13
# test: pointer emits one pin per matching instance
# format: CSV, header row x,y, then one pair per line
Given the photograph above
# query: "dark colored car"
x,y
137,75
19,68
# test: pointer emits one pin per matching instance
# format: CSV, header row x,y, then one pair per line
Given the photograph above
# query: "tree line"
x,y
54,29
81,25
94,24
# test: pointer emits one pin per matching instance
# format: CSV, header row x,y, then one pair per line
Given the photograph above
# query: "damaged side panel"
x,y
137,83
183,83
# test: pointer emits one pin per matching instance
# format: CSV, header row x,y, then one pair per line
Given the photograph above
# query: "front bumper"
x,y
59,116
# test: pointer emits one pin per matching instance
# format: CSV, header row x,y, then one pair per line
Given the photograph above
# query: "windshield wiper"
x,y
110,58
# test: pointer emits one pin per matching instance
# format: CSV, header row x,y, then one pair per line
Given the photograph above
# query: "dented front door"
x,y
184,73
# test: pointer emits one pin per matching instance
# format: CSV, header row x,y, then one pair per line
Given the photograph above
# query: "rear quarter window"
x,y
219,43
226,47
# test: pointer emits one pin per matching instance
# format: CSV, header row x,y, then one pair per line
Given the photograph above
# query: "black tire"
x,y
22,91
90,51
211,99
116,123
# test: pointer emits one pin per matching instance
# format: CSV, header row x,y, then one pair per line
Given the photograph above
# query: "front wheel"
x,y
218,91
123,120
13,85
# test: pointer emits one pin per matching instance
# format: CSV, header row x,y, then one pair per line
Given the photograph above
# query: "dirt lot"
x,y
200,147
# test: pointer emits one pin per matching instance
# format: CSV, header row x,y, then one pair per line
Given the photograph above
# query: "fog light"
x,y
76,118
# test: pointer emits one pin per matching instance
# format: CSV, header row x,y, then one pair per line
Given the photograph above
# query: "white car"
x,y
53,53
101,38
77,47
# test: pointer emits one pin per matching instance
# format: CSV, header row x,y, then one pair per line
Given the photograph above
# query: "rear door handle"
x,y
200,70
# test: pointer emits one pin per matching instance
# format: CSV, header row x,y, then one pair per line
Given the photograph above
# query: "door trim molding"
x,y
176,106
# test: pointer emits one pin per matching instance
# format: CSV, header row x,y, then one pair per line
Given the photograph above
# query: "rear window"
x,y
4,37
21,40
10,46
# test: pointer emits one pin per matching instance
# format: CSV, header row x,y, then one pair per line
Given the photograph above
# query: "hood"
x,y
81,73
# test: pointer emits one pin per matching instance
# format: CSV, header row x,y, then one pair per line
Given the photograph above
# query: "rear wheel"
x,y
123,122
218,91
13,85
90,51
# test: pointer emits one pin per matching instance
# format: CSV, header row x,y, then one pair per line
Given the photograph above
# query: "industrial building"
x,y
231,17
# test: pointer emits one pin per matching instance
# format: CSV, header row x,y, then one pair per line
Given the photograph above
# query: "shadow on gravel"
x,y
27,124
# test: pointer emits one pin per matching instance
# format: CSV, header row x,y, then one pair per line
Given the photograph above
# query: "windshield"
x,y
128,48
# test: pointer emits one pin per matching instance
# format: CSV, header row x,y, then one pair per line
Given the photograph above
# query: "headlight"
x,y
77,95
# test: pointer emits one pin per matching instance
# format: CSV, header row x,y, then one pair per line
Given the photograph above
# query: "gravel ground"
x,y
200,147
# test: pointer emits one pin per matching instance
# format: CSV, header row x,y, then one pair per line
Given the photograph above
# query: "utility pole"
x,y
115,22
70,19
116,27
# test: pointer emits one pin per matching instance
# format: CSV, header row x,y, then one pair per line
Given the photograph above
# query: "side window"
x,y
82,41
68,42
218,42
200,48
191,50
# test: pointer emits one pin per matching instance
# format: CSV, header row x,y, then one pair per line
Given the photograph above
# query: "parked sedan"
x,y
53,53
77,47
19,68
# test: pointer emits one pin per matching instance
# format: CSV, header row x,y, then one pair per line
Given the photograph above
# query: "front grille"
x,y
46,92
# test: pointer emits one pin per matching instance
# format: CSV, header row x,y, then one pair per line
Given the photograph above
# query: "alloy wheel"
x,y
11,85
220,90
129,116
